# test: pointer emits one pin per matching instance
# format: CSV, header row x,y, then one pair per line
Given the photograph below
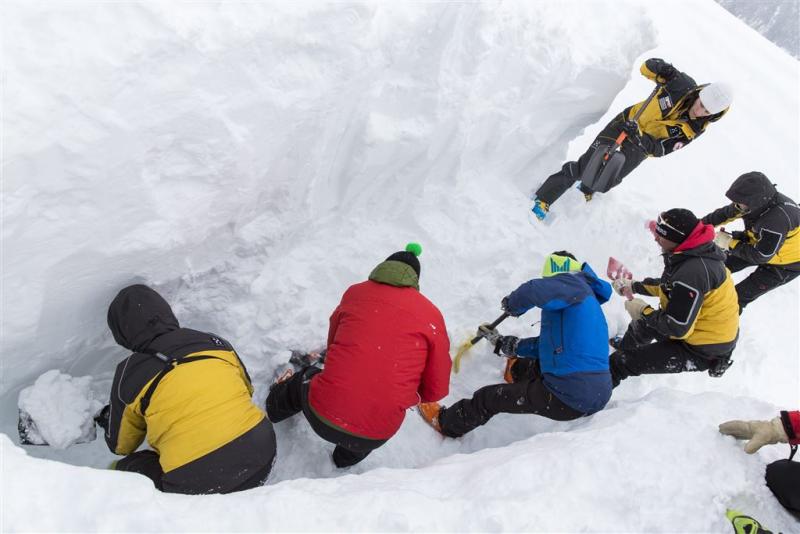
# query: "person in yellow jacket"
x,y
696,326
770,241
189,393
680,112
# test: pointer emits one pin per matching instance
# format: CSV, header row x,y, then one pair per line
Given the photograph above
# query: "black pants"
x,y
527,394
783,478
764,279
242,464
291,397
571,171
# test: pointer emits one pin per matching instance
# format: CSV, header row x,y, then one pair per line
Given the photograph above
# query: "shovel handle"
x,y
491,326
623,135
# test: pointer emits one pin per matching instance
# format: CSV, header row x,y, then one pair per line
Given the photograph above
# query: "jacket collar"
x,y
395,273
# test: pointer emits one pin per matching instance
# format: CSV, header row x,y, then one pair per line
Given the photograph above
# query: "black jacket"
x,y
771,224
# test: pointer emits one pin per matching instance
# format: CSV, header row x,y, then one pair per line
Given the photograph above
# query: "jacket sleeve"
x,y
435,382
546,293
658,70
770,233
791,424
676,320
126,426
528,348
722,215
649,287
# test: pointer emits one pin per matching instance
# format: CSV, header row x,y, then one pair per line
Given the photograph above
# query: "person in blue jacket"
x,y
563,373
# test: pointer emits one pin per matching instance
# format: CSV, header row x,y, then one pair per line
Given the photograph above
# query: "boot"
x,y
430,412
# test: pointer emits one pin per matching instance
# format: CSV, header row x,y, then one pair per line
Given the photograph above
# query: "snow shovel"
x,y
617,270
606,163
470,342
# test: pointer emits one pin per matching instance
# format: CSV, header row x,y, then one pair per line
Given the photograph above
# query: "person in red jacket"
x,y
783,476
388,350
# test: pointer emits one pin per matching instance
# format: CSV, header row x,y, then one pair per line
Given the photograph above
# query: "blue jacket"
x,y
572,347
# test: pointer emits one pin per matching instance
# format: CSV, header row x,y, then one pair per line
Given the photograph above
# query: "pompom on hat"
x,y
408,256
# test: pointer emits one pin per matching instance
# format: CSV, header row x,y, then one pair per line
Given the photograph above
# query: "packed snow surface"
x,y
250,161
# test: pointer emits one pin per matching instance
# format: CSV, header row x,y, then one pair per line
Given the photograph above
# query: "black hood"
x,y
138,315
753,189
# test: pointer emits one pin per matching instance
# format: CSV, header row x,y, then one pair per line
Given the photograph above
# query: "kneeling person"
x,y
697,324
562,374
190,394
387,350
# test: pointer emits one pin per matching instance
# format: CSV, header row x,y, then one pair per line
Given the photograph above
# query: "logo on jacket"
x,y
217,341
665,102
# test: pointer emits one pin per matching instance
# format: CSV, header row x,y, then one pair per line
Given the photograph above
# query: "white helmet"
x,y
716,97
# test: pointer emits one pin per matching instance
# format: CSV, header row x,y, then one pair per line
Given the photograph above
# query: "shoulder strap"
x,y
169,365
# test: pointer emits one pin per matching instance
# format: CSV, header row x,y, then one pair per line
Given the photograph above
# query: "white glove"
x,y
723,239
759,433
635,308
622,286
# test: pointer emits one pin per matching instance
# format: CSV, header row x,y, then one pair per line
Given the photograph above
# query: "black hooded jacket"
x,y
189,393
771,223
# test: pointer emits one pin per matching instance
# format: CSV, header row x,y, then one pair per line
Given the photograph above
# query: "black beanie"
x,y
406,257
676,224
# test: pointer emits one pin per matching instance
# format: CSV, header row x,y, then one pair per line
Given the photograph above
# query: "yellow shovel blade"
x,y
462,349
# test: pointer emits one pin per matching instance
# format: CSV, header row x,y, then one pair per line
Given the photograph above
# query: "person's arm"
x,y
722,215
435,381
545,293
333,325
126,426
676,320
658,70
770,232
528,348
649,287
782,429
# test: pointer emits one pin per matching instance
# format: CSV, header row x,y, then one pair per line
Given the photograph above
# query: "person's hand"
x,y
504,305
723,239
489,333
103,416
632,129
506,346
759,433
623,286
635,308
665,74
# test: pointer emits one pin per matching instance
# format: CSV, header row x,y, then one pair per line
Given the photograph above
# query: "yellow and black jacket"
x,y
189,394
665,123
698,300
771,224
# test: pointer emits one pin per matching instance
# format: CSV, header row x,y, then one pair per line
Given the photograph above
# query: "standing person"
x,y
563,373
770,241
783,476
190,394
680,112
697,324
387,350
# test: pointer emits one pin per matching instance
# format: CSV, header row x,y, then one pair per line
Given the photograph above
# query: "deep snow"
x,y
251,161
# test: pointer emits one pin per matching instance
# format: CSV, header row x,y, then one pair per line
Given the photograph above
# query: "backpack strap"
x,y
169,365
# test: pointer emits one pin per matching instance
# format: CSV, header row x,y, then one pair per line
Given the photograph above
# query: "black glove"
x,y
632,129
103,416
505,308
739,235
506,346
666,73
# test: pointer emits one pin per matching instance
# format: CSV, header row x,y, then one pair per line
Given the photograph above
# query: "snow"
x,y
62,407
250,161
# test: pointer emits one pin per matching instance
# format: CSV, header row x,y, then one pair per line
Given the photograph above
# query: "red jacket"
x,y
791,423
387,350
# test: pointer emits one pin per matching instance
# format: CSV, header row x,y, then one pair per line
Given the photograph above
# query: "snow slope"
x,y
251,161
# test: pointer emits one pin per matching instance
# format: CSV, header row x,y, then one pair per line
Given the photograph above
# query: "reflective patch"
x,y
682,303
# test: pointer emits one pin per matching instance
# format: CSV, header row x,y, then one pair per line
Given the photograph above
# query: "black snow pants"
x,y
571,171
527,394
291,397
783,478
637,355
243,463
764,279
